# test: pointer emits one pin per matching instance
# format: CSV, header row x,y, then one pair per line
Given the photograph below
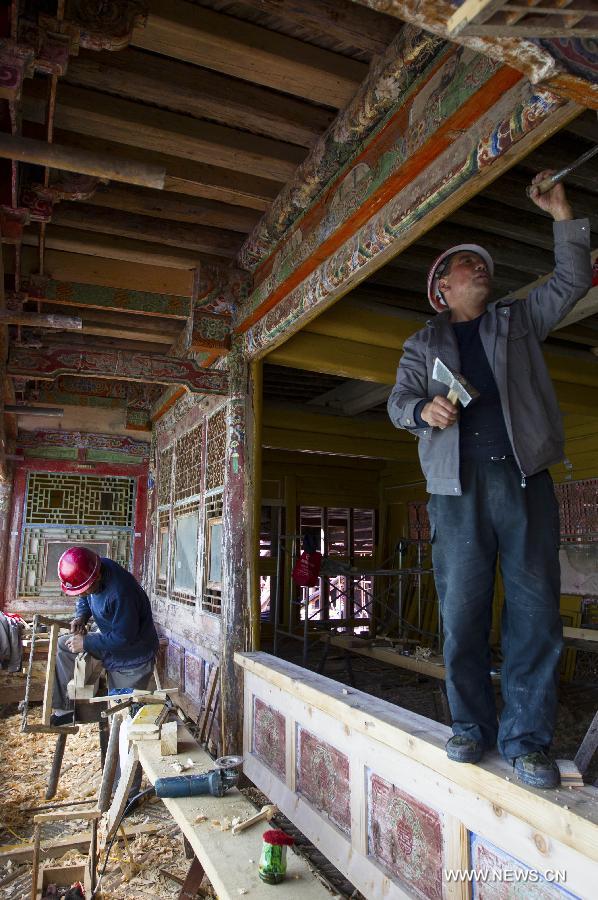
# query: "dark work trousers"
x,y
497,518
133,677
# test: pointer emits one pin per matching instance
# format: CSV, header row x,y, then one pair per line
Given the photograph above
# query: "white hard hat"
x,y
436,272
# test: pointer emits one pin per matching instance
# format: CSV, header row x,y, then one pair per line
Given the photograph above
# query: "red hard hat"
x,y
435,274
78,568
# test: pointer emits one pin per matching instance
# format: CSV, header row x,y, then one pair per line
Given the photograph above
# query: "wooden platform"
x,y
433,667
230,861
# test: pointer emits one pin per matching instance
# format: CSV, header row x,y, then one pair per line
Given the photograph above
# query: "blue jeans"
x,y
498,519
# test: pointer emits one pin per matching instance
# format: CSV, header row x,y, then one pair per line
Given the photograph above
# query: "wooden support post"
x,y
237,548
37,833
192,883
109,769
6,491
56,766
72,159
50,673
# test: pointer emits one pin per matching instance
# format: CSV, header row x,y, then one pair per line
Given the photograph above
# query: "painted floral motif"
x,y
323,778
269,736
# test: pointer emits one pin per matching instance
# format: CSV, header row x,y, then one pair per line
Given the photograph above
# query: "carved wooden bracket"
x,y
16,63
65,186
107,24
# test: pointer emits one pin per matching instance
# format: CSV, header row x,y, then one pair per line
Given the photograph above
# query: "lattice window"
x,y
184,556
212,593
162,551
187,479
55,498
216,450
578,509
42,547
165,477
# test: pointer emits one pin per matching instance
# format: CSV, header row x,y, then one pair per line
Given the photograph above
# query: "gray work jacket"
x,y
511,332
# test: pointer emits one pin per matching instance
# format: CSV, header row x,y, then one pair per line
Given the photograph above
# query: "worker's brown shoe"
x,y
537,769
463,749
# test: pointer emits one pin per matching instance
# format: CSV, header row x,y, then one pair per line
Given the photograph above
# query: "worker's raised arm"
x,y
550,302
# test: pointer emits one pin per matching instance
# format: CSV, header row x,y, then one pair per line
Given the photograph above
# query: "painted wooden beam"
x,y
295,417
337,356
125,122
54,156
535,61
411,53
184,176
201,93
85,217
47,363
176,207
50,290
424,194
248,52
112,273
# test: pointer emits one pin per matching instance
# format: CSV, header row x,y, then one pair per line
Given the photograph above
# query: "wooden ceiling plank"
x,y
337,19
130,123
191,237
199,92
510,189
167,329
216,41
176,207
190,178
98,342
114,274
103,245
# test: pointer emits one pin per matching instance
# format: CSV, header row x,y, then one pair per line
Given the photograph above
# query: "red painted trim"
x,y
139,525
166,406
463,118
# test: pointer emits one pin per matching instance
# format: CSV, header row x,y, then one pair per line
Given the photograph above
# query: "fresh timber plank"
x,y
84,162
570,818
200,93
191,237
184,176
230,861
248,52
126,122
77,269
176,206
50,672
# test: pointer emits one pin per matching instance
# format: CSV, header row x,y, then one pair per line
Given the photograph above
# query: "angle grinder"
x,y
216,782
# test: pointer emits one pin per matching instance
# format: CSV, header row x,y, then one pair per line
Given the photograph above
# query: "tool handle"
x,y
546,184
453,397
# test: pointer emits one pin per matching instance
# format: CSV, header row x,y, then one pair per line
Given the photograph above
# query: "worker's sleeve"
x,y
410,393
82,610
124,630
550,302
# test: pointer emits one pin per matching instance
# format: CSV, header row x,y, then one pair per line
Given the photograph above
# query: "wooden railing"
x,y
370,785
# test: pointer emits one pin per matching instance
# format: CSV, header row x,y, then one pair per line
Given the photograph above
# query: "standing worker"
x,y
125,642
486,468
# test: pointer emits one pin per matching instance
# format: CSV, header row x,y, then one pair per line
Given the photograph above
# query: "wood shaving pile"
x,y
25,761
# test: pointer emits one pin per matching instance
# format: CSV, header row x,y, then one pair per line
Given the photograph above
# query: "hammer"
x,y
460,390
267,812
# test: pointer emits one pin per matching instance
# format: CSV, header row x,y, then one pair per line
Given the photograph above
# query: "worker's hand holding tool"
x,y
75,643
78,626
552,199
439,412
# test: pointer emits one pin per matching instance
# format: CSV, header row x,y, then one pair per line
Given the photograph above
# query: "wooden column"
x,y
237,550
5,506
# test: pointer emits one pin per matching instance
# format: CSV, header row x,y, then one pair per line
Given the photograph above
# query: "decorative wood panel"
x,y
323,778
507,874
411,810
216,450
405,837
269,736
165,476
194,686
187,479
56,498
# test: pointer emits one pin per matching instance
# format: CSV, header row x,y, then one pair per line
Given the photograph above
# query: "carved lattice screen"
x,y
216,449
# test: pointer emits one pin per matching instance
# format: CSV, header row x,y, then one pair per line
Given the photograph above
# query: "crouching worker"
x,y
123,640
